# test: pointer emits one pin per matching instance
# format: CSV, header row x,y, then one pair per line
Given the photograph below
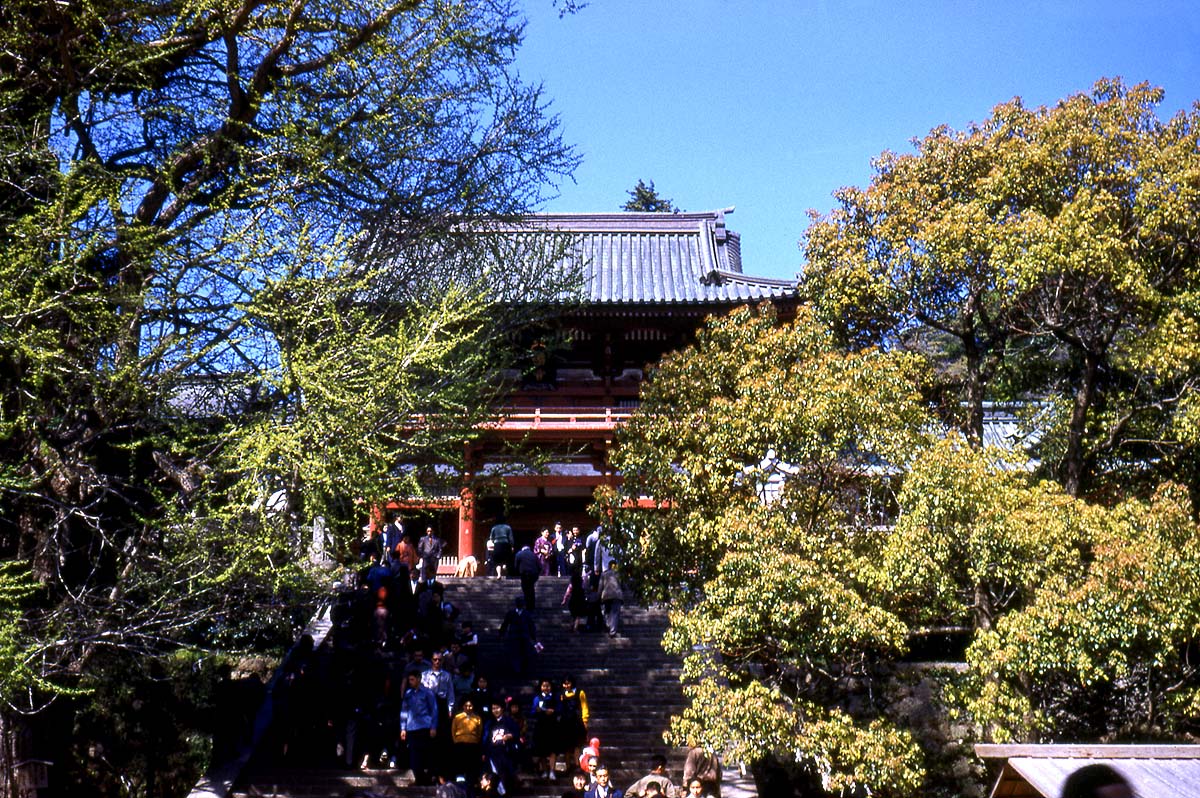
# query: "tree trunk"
x,y
974,396
983,609
1072,466
8,755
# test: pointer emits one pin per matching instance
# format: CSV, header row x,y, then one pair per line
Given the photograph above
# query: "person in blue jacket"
x,y
418,725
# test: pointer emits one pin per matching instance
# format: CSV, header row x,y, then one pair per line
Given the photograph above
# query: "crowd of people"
x,y
593,597
442,716
409,691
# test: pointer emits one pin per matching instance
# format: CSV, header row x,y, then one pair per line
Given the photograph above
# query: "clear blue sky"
x,y
771,106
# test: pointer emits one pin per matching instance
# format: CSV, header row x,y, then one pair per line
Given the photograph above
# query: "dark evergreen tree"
x,y
645,198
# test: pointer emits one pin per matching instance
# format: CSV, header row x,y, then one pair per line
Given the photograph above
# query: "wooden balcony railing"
x,y
560,418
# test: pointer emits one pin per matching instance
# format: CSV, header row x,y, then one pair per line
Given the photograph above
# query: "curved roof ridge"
x,y
618,221
722,276
637,258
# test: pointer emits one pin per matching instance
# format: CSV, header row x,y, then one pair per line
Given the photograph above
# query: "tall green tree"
x,y
1054,249
779,630
234,274
858,599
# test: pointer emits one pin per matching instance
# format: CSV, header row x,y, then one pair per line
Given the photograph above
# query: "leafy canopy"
x,y
858,598
1047,255
774,617
236,297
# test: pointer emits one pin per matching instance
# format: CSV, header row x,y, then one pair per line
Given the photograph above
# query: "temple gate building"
x,y
649,280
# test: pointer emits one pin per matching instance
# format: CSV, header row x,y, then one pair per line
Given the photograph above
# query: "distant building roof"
x,y
655,258
1003,428
1038,771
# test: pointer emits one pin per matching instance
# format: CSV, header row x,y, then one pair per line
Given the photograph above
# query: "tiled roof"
x,y
655,258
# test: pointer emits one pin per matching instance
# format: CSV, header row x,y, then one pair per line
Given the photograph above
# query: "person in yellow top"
x,y
466,732
572,719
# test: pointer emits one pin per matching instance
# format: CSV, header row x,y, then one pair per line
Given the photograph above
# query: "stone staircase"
x,y
632,687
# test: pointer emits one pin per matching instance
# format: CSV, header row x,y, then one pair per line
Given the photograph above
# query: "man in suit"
x,y
429,549
603,788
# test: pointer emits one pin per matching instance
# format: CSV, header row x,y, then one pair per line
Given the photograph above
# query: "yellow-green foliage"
x,y
1120,620
968,522
845,756
777,617
748,388
793,614
1044,253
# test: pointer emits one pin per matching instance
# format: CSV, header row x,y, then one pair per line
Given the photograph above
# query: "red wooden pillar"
x,y
466,511
466,524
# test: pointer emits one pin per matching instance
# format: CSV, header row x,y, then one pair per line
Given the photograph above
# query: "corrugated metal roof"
x,y
1038,771
1150,778
654,258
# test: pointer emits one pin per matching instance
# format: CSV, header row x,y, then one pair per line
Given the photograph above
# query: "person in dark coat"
x,y
370,548
573,717
546,732
500,736
529,568
390,536
520,637
576,600
482,696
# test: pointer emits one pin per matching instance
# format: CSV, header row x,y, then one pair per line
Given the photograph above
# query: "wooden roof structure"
x,y
652,259
1038,771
